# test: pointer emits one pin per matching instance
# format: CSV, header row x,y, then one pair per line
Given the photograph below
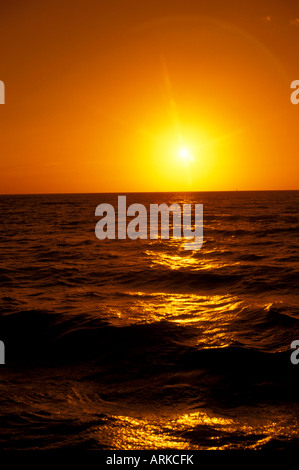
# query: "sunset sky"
x,y
152,95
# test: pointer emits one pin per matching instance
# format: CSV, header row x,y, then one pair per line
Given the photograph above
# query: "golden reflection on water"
x,y
199,430
186,260
212,314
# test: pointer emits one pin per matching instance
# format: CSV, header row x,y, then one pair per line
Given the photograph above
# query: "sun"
x,y
185,155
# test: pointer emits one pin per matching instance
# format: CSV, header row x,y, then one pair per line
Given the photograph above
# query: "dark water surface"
x,y
122,344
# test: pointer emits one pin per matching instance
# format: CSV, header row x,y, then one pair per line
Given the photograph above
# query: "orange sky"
x,y
104,95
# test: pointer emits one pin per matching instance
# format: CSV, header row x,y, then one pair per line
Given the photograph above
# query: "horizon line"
x,y
153,192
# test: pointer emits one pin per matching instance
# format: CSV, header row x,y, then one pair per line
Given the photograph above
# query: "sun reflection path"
x,y
210,316
178,262
199,431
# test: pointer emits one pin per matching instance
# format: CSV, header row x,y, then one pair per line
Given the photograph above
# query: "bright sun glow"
x,y
185,154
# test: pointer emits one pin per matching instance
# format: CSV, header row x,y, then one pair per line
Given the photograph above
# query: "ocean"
x,y
141,344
